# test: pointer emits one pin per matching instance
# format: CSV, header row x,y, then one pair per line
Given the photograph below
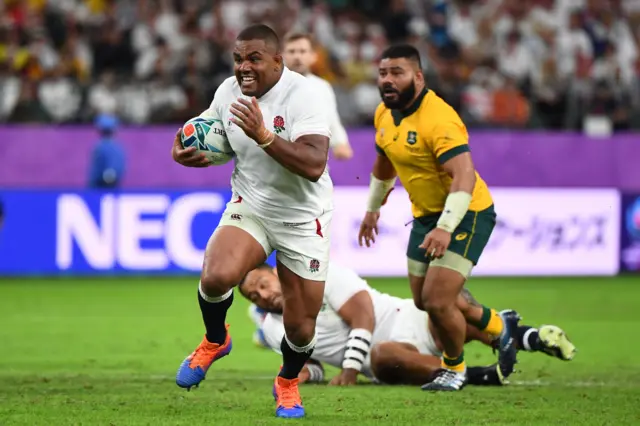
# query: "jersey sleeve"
x,y
215,108
376,125
341,285
308,117
273,330
448,140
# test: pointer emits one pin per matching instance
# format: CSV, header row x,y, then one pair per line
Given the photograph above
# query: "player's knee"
x,y
299,331
217,279
437,306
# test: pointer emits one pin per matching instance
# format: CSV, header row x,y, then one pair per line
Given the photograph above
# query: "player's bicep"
x,y
459,164
358,312
318,142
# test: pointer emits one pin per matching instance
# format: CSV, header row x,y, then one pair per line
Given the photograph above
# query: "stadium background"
x,y
549,89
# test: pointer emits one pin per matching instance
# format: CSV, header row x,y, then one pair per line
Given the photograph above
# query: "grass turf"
x,y
105,352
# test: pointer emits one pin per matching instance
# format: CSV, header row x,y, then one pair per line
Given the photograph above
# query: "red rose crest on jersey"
x,y
314,265
278,124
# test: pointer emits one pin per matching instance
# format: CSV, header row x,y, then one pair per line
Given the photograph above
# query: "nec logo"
x,y
132,231
236,216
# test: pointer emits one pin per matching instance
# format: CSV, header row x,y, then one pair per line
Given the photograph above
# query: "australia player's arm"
x,y
383,175
307,155
451,147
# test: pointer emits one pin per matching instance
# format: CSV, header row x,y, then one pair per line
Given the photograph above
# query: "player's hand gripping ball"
x,y
202,142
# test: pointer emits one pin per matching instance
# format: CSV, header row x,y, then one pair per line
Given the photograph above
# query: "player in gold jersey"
x,y
423,141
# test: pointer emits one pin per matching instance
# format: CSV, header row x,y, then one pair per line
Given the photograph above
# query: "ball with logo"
x,y
207,134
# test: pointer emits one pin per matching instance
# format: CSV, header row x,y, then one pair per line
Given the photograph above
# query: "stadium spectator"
x,y
108,159
113,56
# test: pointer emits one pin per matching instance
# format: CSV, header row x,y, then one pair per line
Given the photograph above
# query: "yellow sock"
x,y
456,364
491,322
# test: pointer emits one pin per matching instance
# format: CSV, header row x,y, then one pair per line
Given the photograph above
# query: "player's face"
x,y
397,82
256,66
299,55
262,287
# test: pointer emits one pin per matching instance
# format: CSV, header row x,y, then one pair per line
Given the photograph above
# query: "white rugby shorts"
x,y
302,247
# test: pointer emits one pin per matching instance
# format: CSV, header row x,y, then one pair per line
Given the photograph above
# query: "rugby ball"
x,y
207,134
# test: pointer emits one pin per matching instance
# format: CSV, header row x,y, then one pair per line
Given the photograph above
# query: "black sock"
x,y
483,376
292,361
214,315
528,338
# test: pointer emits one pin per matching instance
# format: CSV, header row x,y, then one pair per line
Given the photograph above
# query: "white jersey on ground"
x,y
333,333
290,110
328,100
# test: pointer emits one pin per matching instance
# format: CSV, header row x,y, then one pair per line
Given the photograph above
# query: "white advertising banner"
x,y
539,232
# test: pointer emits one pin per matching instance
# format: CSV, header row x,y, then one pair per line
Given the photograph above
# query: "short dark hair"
x,y
402,51
262,266
260,32
295,36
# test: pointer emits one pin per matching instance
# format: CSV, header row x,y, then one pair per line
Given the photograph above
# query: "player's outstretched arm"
x,y
358,314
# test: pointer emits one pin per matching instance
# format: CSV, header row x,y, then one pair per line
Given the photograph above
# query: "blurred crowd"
x,y
501,63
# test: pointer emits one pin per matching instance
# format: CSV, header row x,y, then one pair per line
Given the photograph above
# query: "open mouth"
x,y
389,93
247,80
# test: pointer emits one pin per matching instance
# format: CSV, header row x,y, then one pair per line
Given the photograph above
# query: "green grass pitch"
x,y
105,352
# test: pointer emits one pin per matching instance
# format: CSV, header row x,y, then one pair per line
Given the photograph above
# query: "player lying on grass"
x,y
383,337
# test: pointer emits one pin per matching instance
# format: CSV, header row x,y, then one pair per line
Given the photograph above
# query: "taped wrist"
x,y
378,190
455,208
316,373
358,347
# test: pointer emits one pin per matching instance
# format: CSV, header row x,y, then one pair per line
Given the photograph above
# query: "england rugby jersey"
x,y
290,109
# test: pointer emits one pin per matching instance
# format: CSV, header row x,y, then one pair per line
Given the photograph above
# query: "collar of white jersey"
x,y
286,74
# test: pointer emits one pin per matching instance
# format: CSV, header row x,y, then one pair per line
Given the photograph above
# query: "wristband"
x,y
378,191
455,207
316,373
266,139
357,349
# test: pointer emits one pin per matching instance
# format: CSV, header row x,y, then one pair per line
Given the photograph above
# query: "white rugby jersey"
x,y
323,87
290,109
331,331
